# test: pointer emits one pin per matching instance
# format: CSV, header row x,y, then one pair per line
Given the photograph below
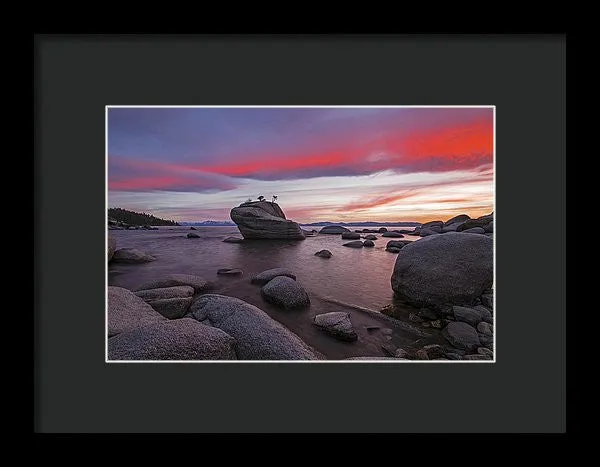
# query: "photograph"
x,y
346,234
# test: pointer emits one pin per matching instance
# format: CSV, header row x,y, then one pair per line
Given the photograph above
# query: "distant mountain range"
x,y
313,224
209,223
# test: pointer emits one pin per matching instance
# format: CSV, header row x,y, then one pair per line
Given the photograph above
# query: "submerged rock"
x,y
229,272
192,235
324,254
393,249
453,268
368,243
270,274
286,293
371,237
265,220
338,324
180,339
350,236
257,335
333,230
233,240
131,255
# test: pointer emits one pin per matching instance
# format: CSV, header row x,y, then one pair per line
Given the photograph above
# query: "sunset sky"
x,y
336,164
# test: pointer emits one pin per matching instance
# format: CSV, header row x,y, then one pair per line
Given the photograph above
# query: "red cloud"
x,y
456,147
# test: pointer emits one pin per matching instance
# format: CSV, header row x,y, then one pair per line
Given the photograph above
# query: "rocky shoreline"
x,y
442,283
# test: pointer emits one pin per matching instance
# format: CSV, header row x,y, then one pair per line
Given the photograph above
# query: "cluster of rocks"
x,y
449,279
359,244
177,318
462,223
214,327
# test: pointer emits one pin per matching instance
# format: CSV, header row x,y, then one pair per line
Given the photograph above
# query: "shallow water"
x,y
348,281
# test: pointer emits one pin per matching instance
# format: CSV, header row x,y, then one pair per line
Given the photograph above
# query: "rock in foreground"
x,y
127,311
264,220
181,339
271,274
257,335
198,283
166,292
453,268
286,293
171,308
462,336
337,324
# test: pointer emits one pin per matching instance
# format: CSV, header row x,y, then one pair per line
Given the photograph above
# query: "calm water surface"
x,y
349,280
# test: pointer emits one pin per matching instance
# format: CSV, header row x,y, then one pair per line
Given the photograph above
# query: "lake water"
x,y
351,280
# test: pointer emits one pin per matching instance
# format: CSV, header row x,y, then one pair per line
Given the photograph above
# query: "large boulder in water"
x,y
111,247
257,335
333,230
450,269
180,339
265,220
127,311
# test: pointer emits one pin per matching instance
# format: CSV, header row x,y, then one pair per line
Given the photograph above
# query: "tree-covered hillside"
x,y
136,218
